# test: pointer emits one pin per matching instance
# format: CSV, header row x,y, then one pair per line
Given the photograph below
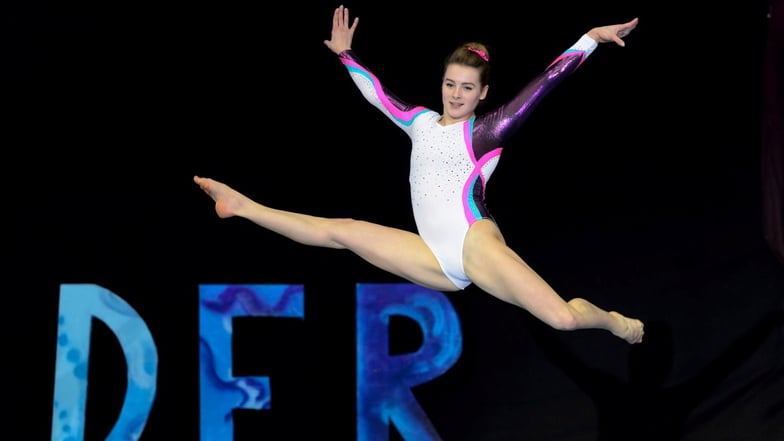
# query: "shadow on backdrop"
x,y
645,406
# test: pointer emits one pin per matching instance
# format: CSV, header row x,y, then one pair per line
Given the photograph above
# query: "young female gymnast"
x,y
453,155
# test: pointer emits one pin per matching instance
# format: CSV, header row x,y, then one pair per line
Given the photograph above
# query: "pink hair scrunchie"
x,y
482,54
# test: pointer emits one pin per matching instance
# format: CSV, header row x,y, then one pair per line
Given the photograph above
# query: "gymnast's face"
x,y
461,91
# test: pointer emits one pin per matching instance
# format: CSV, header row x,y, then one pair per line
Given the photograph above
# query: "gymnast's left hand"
x,y
613,33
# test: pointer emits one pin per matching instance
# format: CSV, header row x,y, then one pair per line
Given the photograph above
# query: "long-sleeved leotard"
x,y
450,165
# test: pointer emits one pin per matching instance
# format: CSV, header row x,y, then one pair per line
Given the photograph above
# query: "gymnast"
x,y
453,155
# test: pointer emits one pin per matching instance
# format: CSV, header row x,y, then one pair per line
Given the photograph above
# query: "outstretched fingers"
x,y
342,30
624,30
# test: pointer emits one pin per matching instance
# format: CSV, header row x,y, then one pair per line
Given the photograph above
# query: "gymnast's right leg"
x,y
399,252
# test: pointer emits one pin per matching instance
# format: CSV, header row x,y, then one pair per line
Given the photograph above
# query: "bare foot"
x,y
631,330
227,200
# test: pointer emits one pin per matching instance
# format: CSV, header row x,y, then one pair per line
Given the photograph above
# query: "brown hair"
x,y
472,54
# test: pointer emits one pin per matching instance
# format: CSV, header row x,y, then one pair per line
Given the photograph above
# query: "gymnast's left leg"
x,y
498,270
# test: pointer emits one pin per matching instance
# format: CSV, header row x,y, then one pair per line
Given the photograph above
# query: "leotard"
x,y
451,165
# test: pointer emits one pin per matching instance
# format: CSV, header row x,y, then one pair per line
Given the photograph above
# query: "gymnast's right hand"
x,y
342,33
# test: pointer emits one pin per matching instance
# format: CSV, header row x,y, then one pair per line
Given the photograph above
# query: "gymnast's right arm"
x,y
371,88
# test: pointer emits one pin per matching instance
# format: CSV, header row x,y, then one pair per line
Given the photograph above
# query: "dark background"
x,y
635,184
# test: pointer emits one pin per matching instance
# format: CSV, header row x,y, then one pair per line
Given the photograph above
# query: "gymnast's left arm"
x,y
502,122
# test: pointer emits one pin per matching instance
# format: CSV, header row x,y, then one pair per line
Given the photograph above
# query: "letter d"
x,y
79,303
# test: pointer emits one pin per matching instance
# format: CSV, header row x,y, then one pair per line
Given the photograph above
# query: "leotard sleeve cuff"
x,y
585,44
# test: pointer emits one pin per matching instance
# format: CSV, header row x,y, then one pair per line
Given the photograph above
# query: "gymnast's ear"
x,y
485,88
